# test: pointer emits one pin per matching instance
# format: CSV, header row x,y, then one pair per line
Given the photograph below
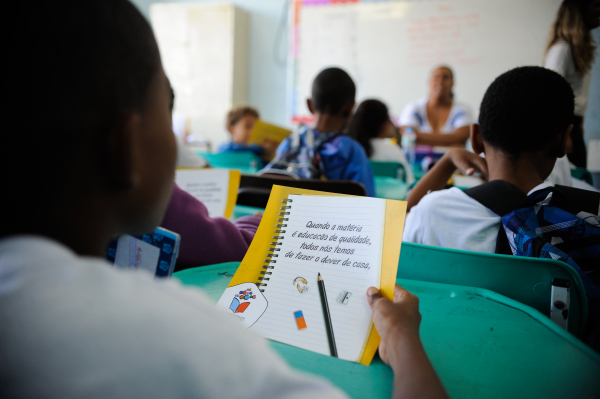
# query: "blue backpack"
x,y
559,222
302,158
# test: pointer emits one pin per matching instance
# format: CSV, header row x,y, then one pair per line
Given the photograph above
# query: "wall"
x,y
267,81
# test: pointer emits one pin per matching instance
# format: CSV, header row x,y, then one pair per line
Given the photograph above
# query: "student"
x,y
185,157
204,240
524,122
324,151
570,52
101,144
372,128
240,123
438,120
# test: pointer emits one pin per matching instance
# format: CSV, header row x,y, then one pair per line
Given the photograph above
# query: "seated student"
x,y
101,146
372,128
204,240
240,123
186,158
524,123
438,120
324,151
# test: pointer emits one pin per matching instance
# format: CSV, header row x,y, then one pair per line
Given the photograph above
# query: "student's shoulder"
x,y
447,201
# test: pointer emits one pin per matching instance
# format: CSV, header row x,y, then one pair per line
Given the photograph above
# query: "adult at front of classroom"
x,y
438,120
570,52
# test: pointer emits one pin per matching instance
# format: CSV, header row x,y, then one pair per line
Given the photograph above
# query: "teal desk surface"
x,y
390,188
482,344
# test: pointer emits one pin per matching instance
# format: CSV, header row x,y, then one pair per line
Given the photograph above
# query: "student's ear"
x,y
476,141
230,129
123,152
562,142
310,105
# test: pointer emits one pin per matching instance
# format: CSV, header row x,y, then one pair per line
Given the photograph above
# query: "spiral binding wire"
x,y
279,229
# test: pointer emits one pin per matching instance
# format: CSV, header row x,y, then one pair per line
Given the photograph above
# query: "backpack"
x,y
302,158
559,222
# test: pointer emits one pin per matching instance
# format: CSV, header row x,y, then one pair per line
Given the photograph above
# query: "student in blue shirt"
x,y
324,151
240,123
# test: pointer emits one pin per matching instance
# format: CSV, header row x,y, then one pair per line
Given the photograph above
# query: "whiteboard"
x,y
390,47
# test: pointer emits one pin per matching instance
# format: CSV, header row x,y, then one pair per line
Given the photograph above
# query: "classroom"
x,y
316,198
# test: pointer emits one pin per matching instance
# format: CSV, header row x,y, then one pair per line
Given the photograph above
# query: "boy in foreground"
x,y
524,122
101,145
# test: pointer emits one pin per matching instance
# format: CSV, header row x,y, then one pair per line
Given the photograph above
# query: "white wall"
x,y
266,79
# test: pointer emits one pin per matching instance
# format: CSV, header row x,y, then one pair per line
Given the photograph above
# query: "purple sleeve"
x,y
206,240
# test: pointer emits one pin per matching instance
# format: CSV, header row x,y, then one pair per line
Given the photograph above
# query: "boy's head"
x,y
333,93
240,122
97,147
527,110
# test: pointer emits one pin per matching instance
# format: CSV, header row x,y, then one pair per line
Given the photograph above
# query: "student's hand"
x,y
467,162
269,146
394,321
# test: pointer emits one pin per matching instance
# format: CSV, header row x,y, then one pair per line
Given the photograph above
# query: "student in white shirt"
x,y
372,128
104,156
524,122
571,52
438,120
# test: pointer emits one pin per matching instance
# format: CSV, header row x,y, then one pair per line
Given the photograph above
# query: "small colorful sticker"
x,y
300,320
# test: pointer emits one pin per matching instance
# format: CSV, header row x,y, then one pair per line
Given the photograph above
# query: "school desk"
x,y
482,344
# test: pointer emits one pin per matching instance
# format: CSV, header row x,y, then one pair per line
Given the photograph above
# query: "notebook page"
x,y
340,238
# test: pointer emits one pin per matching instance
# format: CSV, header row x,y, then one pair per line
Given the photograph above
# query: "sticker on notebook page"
x,y
301,284
245,302
300,322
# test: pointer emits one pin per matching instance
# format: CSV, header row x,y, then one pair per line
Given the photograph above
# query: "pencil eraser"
x,y
300,320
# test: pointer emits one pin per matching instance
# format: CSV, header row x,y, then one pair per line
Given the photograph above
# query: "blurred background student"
x,y
570,52
372,128
438,120
240,123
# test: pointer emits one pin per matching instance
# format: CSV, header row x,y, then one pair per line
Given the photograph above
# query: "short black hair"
x,y
524,109
87,63
332,90
369,118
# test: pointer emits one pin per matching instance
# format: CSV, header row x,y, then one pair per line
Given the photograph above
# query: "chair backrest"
x,y
582,174
237,159
387,169
527,280
255,190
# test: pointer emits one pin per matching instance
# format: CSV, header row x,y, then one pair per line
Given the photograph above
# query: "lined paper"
x,y
361,219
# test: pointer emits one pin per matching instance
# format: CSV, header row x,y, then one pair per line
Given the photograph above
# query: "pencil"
x,y
327,315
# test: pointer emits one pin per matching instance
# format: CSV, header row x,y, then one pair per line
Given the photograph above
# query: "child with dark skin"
x,y
68,333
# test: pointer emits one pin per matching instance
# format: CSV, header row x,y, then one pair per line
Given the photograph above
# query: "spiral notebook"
x,y
304,278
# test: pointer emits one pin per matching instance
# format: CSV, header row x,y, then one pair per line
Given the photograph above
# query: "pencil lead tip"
x,y
319,274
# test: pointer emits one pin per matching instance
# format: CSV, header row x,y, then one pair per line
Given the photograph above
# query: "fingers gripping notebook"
x,y
304,279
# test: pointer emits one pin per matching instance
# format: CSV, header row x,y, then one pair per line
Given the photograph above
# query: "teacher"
x,y
438,120
570,52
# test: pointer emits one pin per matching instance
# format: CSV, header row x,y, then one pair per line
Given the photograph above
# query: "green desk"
x,y
243,210
482,344
390,188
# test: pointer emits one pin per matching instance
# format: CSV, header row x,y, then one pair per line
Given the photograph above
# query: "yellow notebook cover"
x,y
217,189
263,130
251,270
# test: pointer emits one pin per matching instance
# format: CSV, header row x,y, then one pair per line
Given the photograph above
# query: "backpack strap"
x,y
500,197
581,200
